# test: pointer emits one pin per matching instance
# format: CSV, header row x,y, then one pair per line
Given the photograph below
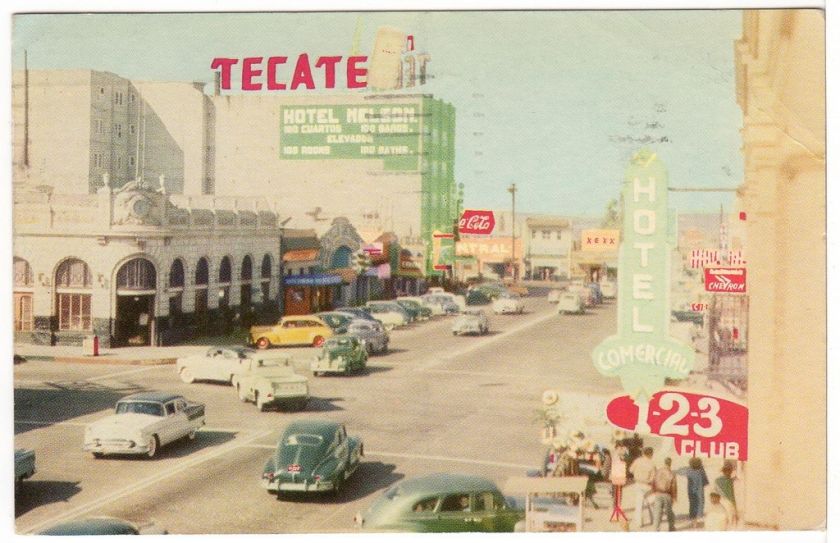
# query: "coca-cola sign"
x,y
476,221
732,280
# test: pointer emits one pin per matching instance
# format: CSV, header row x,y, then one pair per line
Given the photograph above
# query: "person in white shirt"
x,y
642,470
717,517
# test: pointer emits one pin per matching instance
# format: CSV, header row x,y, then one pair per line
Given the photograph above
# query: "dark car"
x,y
102,526
441,503
312,456
358,312
477,297
335,320
412,309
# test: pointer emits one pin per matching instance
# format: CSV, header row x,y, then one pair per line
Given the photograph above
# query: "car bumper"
x,y
305,486
468,330
116,446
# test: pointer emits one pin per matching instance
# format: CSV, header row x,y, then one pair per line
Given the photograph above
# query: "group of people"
x,y
659,485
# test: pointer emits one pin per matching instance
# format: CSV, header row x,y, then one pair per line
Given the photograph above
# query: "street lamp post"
x,y
512,190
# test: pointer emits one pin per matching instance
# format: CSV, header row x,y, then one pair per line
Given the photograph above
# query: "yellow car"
x,y
298,330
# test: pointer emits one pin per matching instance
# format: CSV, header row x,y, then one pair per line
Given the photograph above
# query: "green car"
x,y
312,456
441,503
340,354
417,311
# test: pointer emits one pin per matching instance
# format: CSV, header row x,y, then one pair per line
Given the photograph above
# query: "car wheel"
x,y
317,341
153,445
186,375
97,455
454,333
385,348
263,343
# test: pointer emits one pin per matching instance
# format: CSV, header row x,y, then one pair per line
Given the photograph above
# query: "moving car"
x,y
217,364
441,503
552,504
473,321
609,289
419,300
442,304
272,382
296,330
570,302
102,526
143,423
508,303
492,290
341,354
372,334
389,313
554,296
477,297
312,456
358,312
24,466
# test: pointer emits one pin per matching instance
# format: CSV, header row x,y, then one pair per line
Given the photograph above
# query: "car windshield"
x,y
144,408
305,440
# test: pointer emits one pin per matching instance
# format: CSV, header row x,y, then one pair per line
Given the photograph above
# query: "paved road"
x,y
436,403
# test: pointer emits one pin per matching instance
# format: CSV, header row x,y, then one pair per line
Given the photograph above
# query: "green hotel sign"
x,y
390,132
642,354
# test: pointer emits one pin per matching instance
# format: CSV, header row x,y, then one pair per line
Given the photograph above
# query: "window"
x,y
73,311
265,277
118,98
456,502
546,234
23,273
170,408
245,277
23,311
98,126
132,97
136,274
131,161
487,501
118,130
101,91
425,506
131,129
119,162
224,271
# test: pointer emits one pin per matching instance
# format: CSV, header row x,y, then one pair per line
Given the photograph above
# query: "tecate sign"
x,y
475,221
733,280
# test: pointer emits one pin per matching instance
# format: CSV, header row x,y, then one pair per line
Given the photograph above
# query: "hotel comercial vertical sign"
x,y
643,354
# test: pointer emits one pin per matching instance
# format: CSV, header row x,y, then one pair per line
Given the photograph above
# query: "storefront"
x,y
309,293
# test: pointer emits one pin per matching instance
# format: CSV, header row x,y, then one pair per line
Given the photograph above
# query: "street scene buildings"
x,y
326,263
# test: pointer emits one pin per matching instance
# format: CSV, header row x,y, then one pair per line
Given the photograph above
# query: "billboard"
x,y
476,221
731,280
390,132
599,240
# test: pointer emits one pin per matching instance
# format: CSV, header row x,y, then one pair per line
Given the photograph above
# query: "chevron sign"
x,y
731,280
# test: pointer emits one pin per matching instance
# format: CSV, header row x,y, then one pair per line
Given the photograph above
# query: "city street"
x,y
434,403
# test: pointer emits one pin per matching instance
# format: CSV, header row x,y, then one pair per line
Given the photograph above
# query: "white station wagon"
x,y
144,422
222,364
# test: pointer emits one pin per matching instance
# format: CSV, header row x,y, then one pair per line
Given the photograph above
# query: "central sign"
x,y
642,354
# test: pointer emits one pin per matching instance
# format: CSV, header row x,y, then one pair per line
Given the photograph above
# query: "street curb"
x,y
114,361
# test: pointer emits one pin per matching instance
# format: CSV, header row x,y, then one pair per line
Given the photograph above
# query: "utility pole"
x,y
512,190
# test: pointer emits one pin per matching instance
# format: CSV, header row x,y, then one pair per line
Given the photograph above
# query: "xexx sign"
x,y
390,132
642,354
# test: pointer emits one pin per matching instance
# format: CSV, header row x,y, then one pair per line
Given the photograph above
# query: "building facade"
x,y
130,267
549,247
780,82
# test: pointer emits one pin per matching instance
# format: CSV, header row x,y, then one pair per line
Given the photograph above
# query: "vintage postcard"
x,y
443,271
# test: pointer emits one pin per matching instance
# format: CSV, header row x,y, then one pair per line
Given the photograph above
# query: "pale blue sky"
x,y
549,100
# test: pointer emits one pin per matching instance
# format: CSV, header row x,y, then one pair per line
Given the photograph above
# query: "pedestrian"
x,y
697,481
606,465
664,495
642,470
717,518
724,486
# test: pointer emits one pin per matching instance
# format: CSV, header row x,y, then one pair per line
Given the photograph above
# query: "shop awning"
x,y
312,280
347,275
300,255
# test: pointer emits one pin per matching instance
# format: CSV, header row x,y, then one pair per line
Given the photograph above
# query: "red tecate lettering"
x,y
329,69
303,73
273,84
225,65
249,73
354,73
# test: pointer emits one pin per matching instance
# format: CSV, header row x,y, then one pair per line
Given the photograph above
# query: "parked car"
x,y
103,526
218,364
423,312
554,296
390,313
24,466
336,320
413,311
491,290
340,354
442,304
473,321
371,334
508,303
312,456
477,297
441,503
296,330
143,423
358,312
609,289
585,293
570,302
272,382
419,300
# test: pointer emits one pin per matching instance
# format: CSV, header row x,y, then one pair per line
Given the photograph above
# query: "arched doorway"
x,y
134,322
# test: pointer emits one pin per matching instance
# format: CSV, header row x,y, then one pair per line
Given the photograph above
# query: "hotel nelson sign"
x,y
642,354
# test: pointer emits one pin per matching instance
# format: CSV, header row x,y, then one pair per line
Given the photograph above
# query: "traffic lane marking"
x,y
410,456
238,442
437,361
